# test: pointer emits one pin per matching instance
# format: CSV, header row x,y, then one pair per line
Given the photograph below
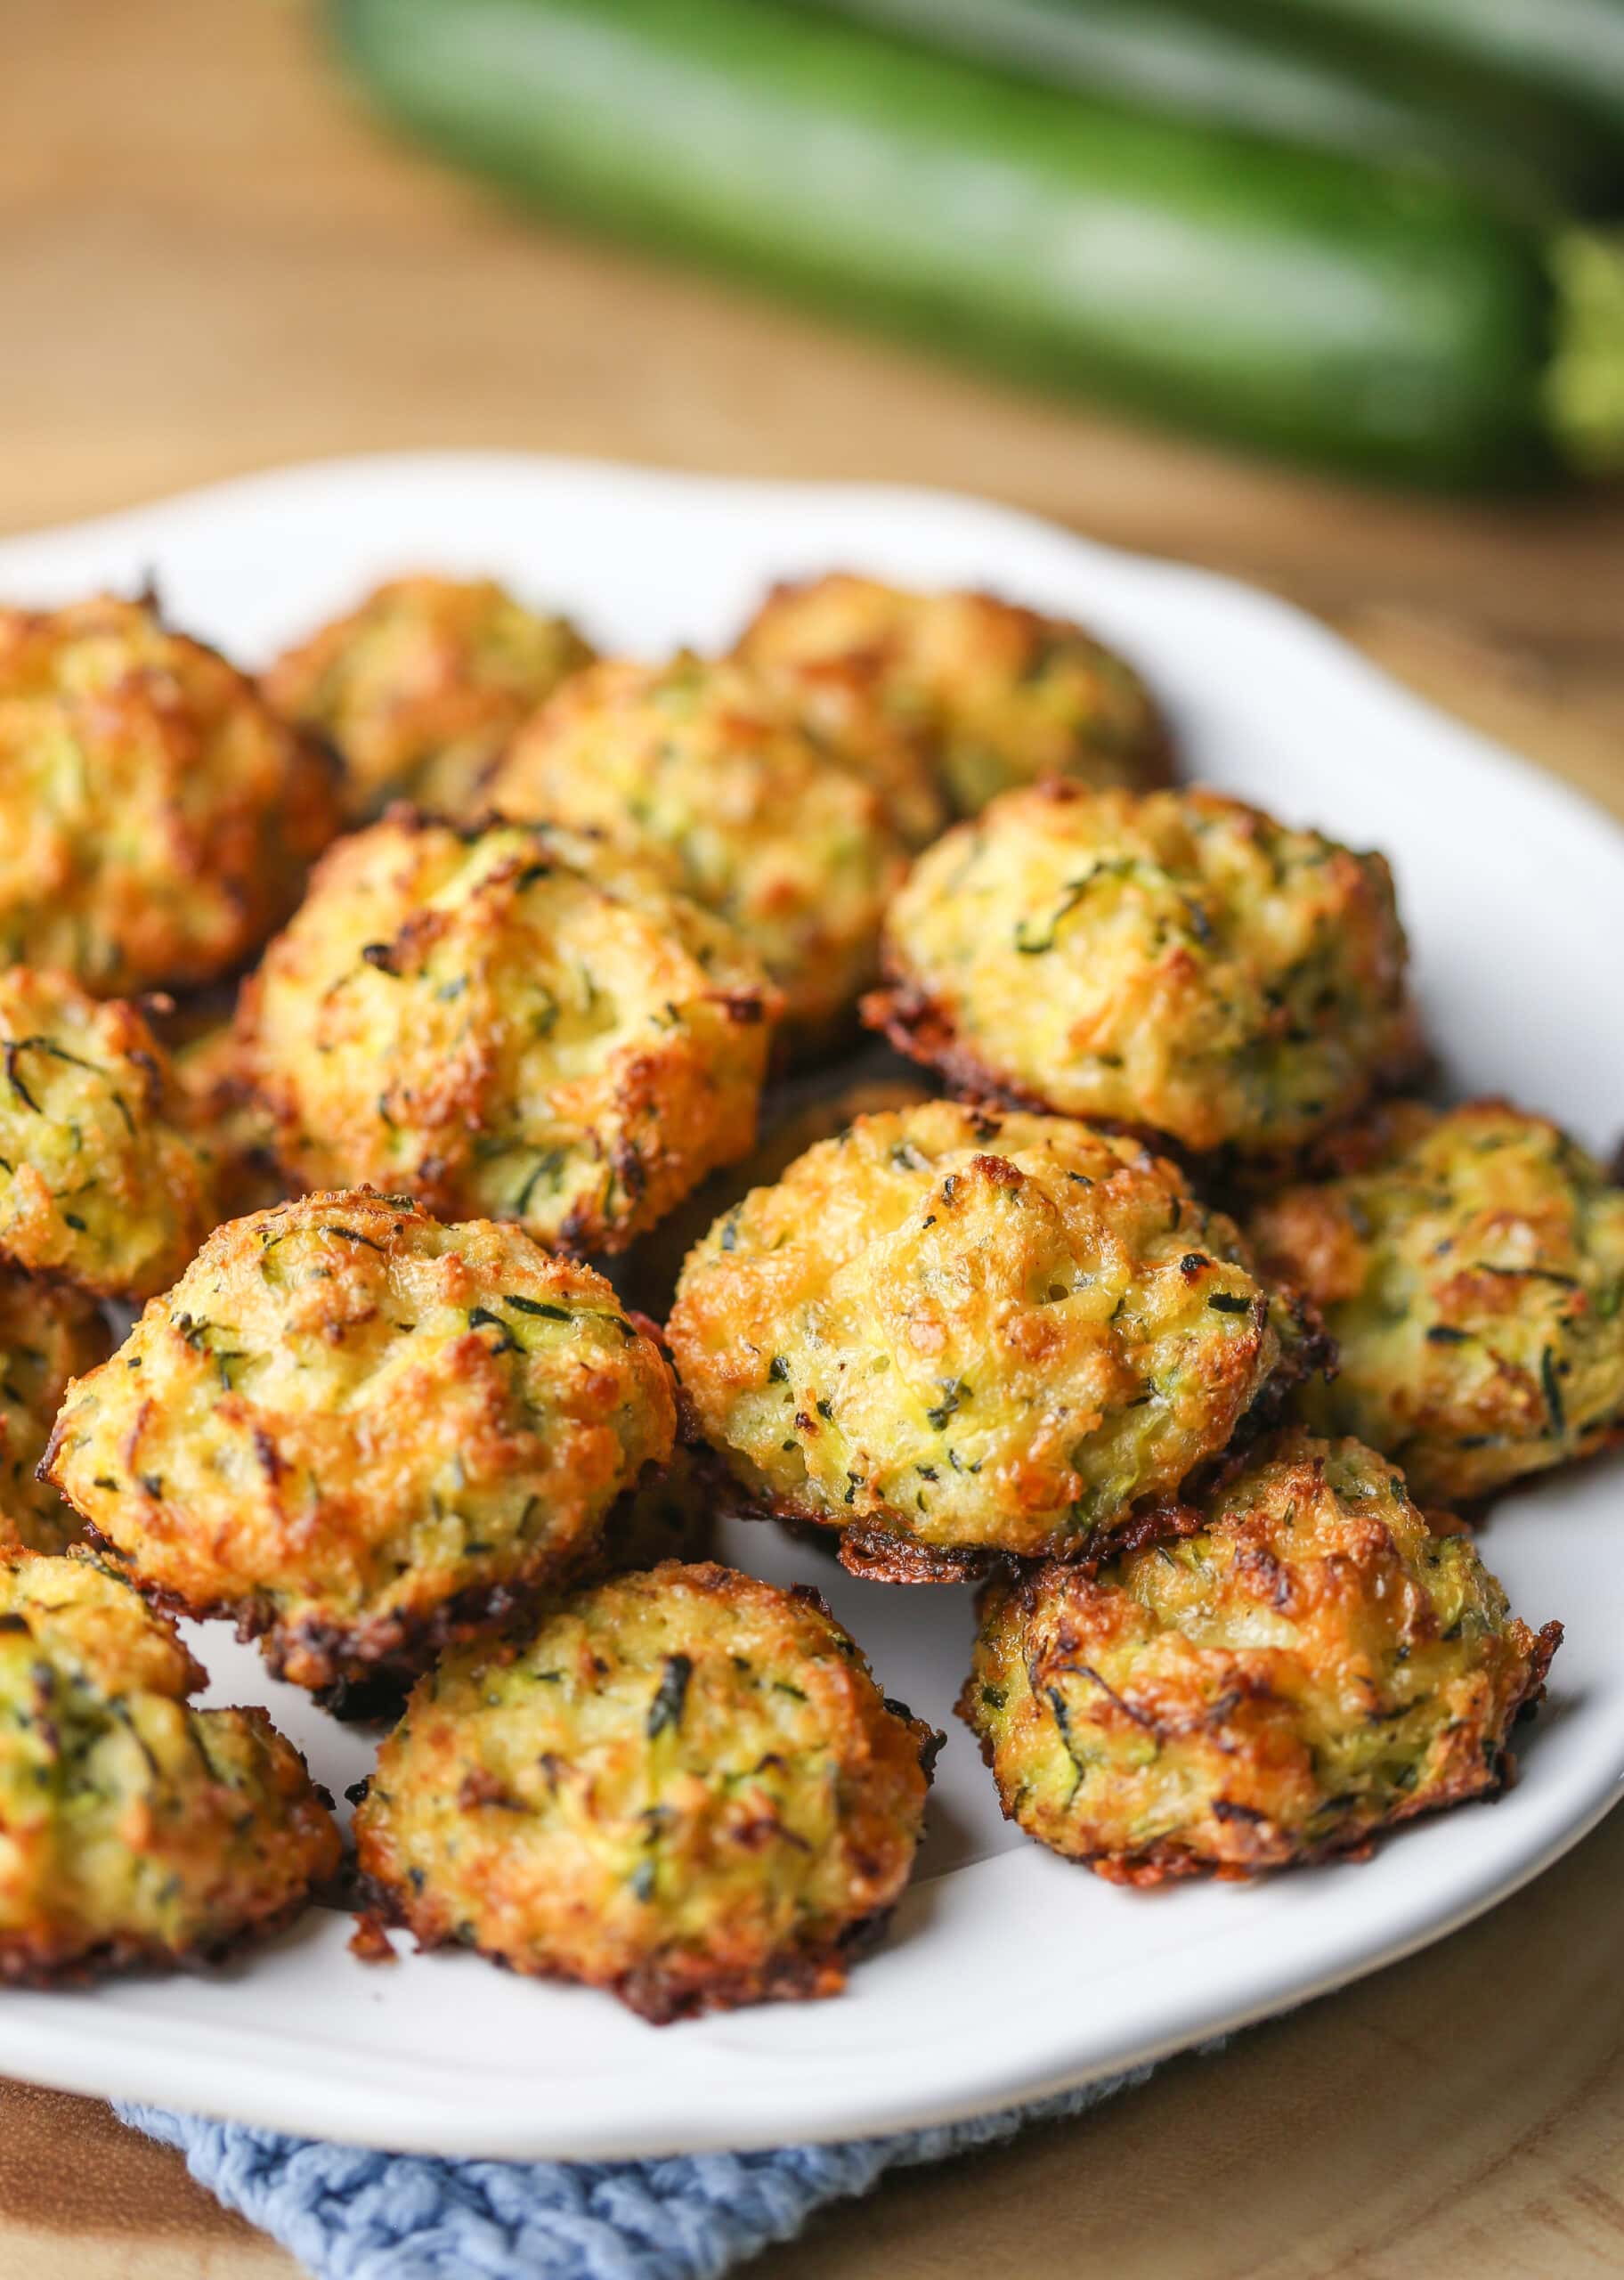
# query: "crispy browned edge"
x,y
878,1557
1166,1862
680,1987
34,1963
662,1992
915,1024
368,1667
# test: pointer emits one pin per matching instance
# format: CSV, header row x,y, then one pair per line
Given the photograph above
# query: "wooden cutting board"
x,y
208,262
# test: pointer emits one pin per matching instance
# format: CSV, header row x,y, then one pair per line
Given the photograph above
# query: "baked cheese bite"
x,y
506,1021
683,1785
1178,963
949,1333
710,772
157,819
138,1831
363,1434
419,687
100,1183
1470,1264
1313,1665
996,696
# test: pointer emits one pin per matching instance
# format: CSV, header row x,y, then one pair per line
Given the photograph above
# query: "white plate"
x,y
1008,1973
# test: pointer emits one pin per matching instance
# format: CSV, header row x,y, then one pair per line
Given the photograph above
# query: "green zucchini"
x,y
1329,86
1574,49
1294,300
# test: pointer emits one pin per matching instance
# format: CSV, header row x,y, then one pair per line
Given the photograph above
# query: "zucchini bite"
x,y
100,1181
506,1021
683,1785
419,687
363,1434
949,1333
138,1830
1312,1665
722,780
1470,1264
993,694
1178,963
156,819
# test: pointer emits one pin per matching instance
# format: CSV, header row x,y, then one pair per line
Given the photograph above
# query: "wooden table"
x,y
210,261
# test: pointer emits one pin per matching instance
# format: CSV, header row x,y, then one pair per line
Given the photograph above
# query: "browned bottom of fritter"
x,y
914,1023
38,1962
355,1670
663,1990
878,1557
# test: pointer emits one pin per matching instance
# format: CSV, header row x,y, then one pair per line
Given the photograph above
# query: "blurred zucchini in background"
x,y
1280,71
1574,49
1397,324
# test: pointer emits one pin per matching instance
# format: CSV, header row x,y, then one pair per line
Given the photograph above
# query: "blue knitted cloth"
x,y
352,2215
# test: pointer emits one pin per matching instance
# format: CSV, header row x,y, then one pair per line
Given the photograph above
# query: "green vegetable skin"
x,y
1305,71
1572,48
1287,298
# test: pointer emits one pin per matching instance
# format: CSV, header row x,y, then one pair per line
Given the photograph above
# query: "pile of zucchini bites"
x,y
1162,1314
